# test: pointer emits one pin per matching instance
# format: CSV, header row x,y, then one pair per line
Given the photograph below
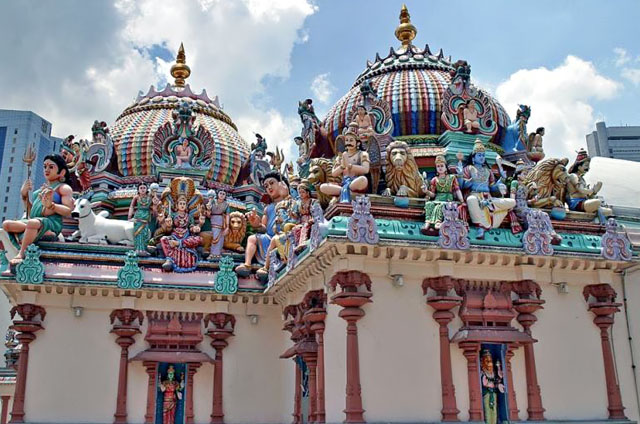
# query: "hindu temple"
x,y
421,260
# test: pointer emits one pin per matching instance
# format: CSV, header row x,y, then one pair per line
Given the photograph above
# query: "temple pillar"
x,y
513,403
221,329
316,317
192,368
125,327
26,327
310,358
5,408
471,351
443,304
297,399
356,292
526,305
152,370
601,300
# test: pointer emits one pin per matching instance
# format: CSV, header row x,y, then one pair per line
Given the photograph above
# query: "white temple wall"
x,y
624,346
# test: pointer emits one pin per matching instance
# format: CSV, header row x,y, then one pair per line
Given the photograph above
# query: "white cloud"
x,y
622,56
559,100
632,74
98,60
322,88
278,130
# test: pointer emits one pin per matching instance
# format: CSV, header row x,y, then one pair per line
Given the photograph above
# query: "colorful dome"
x,y
135,129
412,81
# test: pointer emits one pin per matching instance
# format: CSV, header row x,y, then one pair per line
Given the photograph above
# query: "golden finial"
x,y
405,32
180,71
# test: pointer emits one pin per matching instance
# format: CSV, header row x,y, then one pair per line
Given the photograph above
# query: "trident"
x,y
28,158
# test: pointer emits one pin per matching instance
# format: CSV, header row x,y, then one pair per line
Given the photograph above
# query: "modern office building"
x,y
615,142
18,130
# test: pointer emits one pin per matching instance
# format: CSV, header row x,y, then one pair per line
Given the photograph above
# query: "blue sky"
x,y
73,61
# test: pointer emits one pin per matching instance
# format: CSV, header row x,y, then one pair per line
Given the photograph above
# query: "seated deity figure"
x,y
485,211
265,226
492,379
579,195
470,116
365,125
352,165
443,188
180,246
535,141
46,207
183,152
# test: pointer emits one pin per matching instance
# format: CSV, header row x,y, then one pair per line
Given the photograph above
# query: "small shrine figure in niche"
x,y
46,207
580,196
171,393
184,152
492,379
365,125
140,212
443,188
484,210
265,226
219,218
352,165
470,117
180,246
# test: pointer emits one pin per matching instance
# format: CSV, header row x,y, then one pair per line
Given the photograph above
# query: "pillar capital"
x,y
125,324
350,281
219,327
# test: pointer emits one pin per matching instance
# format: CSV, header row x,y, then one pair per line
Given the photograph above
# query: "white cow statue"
x,y
98,228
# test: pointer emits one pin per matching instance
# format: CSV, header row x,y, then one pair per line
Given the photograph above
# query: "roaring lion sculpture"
x,y
402,174
320,172
550,177
237,231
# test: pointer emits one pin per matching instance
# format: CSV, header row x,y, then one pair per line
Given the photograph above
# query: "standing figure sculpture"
x,y
580,196
443,188
180,246
303,156
484,210
492,380
265,226
171,393
302,210
352,165
47,206
140,212
219,223
516,137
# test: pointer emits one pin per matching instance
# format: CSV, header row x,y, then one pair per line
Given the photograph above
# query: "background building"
x,y
18,130
615,142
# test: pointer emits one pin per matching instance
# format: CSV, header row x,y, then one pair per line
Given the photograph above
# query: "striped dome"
x,y
134,130
413,81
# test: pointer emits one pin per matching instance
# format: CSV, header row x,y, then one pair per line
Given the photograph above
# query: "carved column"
x,y
356,292
125,327
601,300
5,409
31,321
192,368
221,329
443,304
526,305
316,316
471,351
513,403
307,348
152,369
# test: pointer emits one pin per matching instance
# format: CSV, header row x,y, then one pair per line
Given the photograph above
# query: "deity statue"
x,y
484,210
256,165
516,138
302,210
352,165
303,156
580,196
179,246
534,146
171,394
470,117
364,123
140,212
492,379
184,152
265,226
219,218
313,132
402,175
46,208
443,188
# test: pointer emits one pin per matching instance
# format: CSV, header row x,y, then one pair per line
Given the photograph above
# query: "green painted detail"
x,y
4,262
455,142
130,275
30,270
583,243
419,140
226,281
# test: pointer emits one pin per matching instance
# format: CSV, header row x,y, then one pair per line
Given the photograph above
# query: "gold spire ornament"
x,y
405,32
180,71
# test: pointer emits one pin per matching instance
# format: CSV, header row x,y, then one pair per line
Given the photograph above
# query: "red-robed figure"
x,y
172,392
